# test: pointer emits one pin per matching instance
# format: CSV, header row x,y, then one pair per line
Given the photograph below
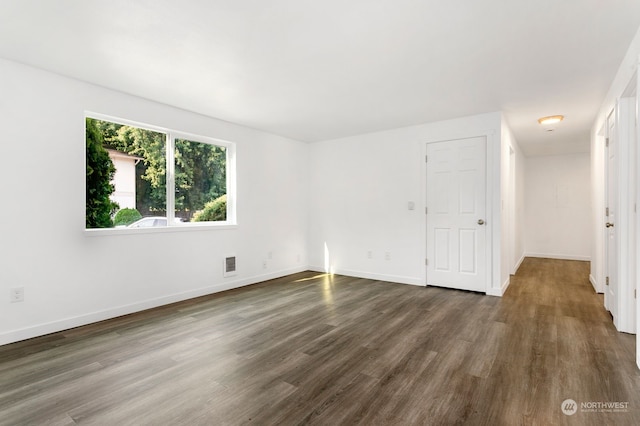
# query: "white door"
x,y
456,222
611,279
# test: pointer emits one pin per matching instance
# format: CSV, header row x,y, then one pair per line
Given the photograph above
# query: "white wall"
x,y
520,209
361,187
68,276
558,207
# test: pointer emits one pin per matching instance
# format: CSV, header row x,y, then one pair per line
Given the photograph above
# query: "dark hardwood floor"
x,y
316,349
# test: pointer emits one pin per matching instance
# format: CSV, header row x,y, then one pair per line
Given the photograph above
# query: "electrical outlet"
x,y
270,255
264,264
16,294
387,255
369,254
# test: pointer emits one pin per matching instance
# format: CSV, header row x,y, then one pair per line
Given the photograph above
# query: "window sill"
x,y
186,227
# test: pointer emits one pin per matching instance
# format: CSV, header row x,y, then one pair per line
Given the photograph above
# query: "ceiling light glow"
x,y
551,119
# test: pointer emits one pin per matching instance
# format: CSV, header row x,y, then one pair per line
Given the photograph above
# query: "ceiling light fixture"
x,y
551,119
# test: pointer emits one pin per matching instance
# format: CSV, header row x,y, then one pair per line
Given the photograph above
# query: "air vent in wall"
x,y
229,266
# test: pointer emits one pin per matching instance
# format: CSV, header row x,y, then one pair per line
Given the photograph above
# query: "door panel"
x,y
442,238
467,242
456,194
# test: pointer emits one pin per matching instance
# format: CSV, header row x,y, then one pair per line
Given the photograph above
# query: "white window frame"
x,y
171,136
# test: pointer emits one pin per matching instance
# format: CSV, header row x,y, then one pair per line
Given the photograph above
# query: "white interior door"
x,y
611,255
456,228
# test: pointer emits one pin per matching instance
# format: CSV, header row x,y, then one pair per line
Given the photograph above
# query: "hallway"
x,y
561,344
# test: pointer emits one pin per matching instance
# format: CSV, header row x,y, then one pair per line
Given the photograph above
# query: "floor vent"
x,y
230,266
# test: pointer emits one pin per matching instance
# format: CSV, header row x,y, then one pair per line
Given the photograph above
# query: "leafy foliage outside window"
x,y
151,172
100,172
126,217
200,177
199,173
212,211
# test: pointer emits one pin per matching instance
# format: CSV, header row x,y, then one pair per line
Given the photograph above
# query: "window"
x,y
143,177
200,181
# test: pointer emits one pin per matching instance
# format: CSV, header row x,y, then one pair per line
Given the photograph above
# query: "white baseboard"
x,y
499,292
503,288
593,282
558,256
68,323
518,264
372,276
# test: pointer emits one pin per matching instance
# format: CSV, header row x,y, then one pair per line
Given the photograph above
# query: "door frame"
x,y
626,267
627,132
636,166
492,153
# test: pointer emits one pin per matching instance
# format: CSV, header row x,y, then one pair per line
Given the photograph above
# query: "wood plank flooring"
x,y
331,350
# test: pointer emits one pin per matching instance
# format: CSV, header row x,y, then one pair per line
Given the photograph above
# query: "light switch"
x,y
412,205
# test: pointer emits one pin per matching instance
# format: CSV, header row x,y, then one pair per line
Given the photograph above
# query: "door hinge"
x,y
426,210
607,211
606,143
634,293
606,281
426,262
426,157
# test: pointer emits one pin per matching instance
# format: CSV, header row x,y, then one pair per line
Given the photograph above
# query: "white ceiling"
x,y
324,69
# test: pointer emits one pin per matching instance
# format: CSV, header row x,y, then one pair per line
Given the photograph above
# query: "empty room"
x,y
300,212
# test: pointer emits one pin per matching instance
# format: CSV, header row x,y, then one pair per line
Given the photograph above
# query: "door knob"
x,y
480,222
609,225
